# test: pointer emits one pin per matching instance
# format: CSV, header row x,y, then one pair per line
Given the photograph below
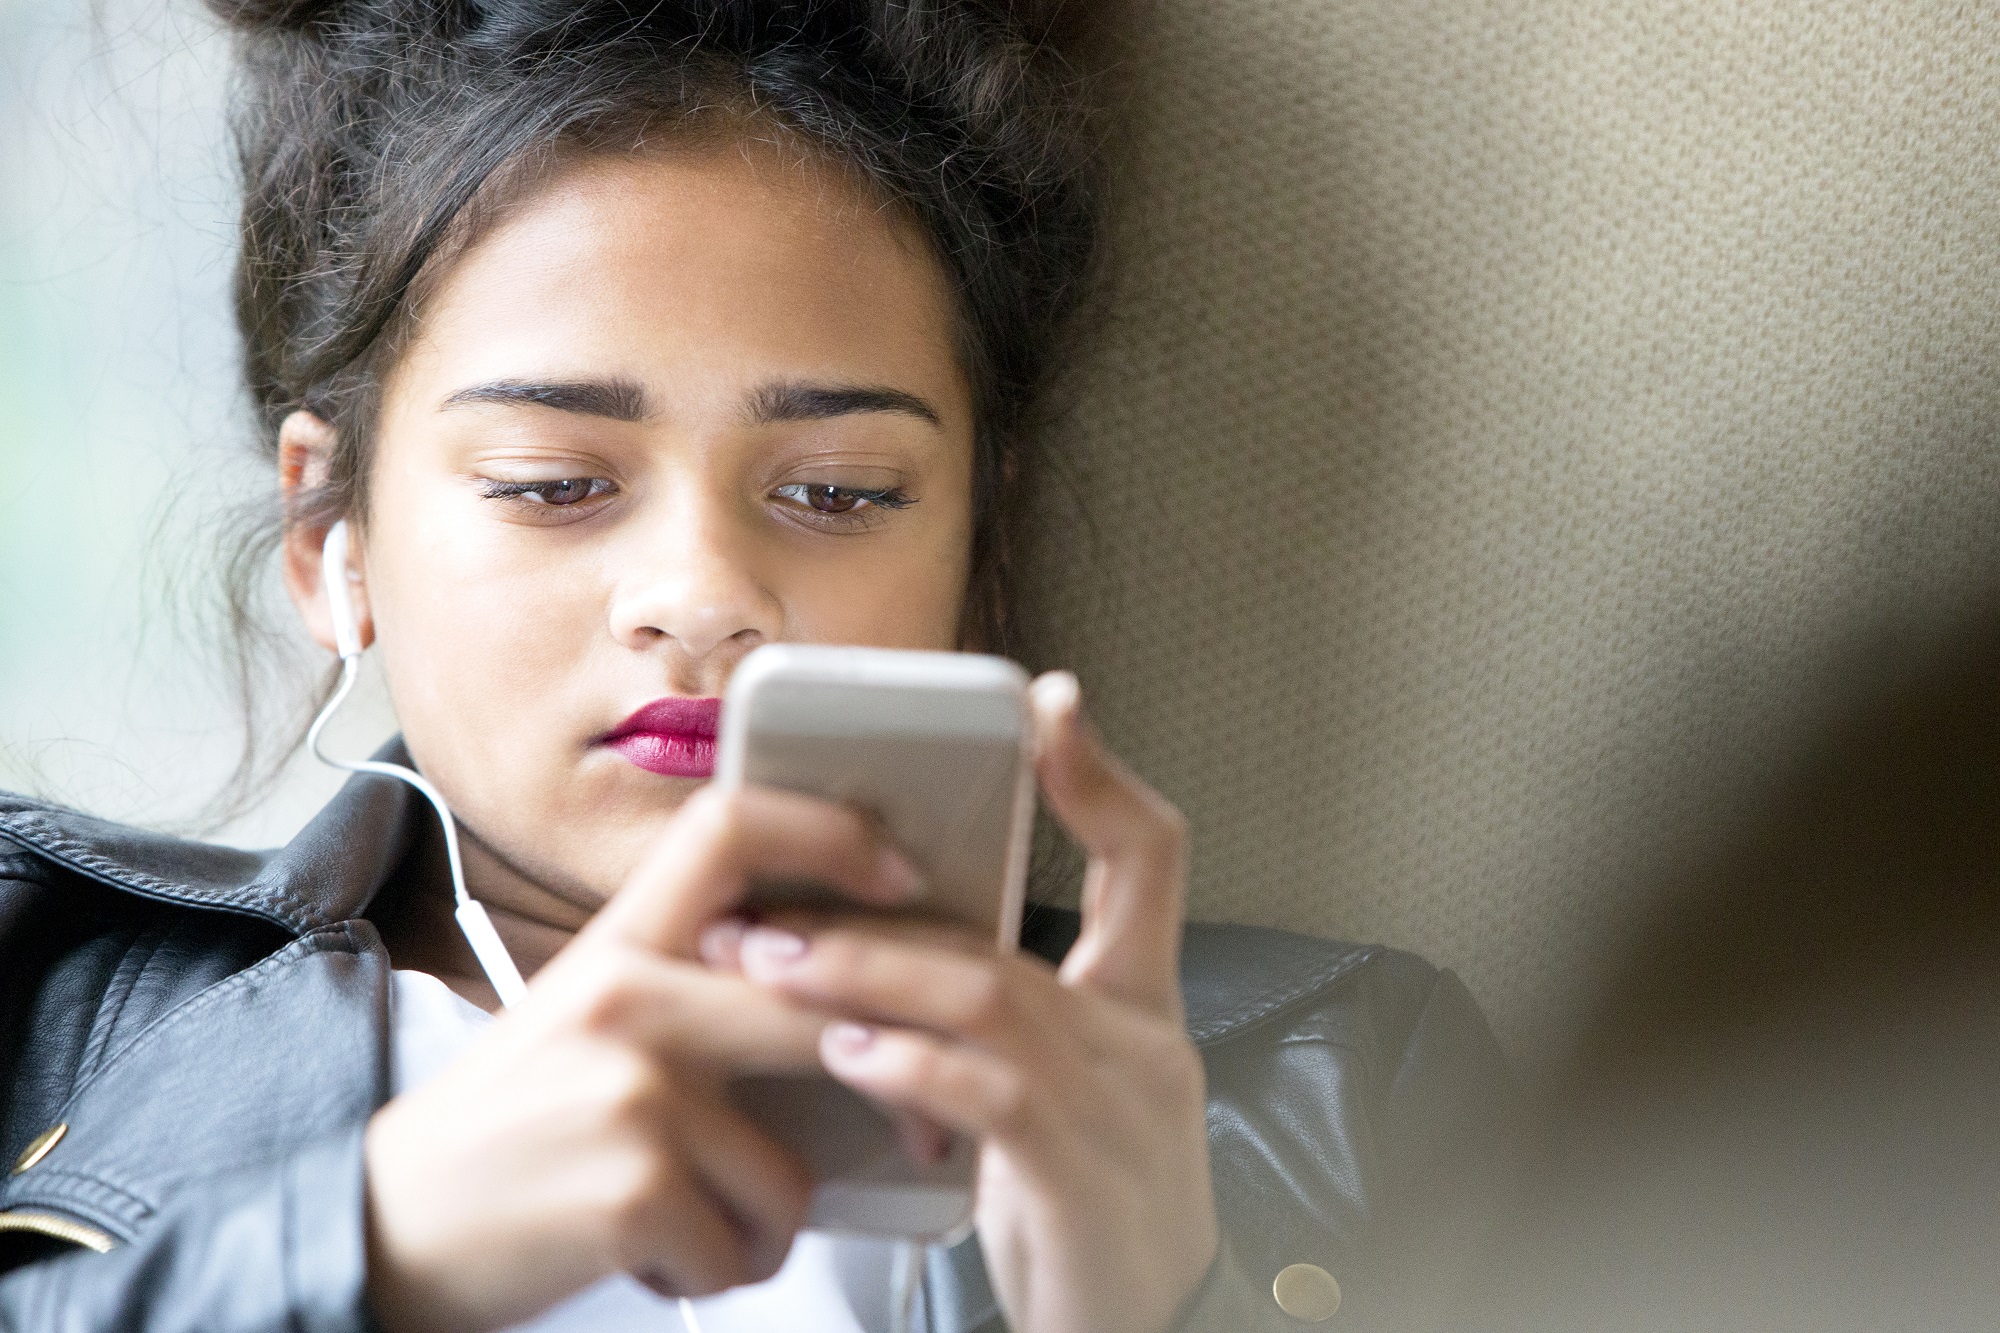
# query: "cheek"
x,y
907,593
474,642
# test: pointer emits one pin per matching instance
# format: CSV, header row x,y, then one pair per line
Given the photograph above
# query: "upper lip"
x,y
672,716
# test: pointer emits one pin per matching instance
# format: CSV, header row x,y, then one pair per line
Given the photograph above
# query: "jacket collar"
x,y
328,873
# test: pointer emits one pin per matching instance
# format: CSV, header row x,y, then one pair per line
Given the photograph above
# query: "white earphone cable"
x,y
904,1274
493,957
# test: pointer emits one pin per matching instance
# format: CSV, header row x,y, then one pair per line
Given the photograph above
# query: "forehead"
x,y
678,267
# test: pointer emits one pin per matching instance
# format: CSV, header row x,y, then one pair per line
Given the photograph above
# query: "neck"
x,y
534,921
421,932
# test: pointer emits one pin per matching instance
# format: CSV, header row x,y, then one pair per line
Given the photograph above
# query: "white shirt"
x,y
829,1284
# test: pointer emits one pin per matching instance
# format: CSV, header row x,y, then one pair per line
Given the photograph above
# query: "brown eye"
x,y
564,492
831,499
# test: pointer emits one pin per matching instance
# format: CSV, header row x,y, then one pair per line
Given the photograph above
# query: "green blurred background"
x,y
125,445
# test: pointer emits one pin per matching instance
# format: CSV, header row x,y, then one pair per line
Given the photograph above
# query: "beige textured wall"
x,y
1521,434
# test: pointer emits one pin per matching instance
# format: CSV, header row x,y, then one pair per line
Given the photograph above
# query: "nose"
x,y
689,580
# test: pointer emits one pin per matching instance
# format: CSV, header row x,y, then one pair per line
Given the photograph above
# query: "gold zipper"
x,y
59,1227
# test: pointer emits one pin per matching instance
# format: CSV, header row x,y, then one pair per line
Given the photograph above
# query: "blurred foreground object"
x,y
1784,1113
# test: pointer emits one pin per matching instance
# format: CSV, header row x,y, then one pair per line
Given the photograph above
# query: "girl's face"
x,y
672,407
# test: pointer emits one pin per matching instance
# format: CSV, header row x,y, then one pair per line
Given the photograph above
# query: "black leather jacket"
x,y
211,1027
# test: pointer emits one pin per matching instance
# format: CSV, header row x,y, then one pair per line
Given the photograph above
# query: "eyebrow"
x,y
789,401
618,399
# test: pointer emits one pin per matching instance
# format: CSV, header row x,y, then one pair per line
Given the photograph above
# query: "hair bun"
x,y
273,15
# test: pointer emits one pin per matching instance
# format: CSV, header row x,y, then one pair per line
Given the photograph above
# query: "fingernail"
x,y
1058,691
848,1038
722,943
895,873
765,946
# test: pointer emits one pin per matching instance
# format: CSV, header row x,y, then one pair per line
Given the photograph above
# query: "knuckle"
x,y
835,951
923,1065
1098,785
608,995
657,1199
643,1200
1009,1100
858,830
854,843
631,1091
1167,827
982,998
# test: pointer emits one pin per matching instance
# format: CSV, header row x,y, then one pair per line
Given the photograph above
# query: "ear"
x,y
305,452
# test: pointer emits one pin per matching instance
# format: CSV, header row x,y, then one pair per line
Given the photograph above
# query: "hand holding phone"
x,y
1078,1081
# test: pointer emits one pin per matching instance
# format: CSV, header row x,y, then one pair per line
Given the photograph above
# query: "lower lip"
x,y
673,754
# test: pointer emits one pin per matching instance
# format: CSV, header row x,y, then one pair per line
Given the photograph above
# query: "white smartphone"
x,y
936,746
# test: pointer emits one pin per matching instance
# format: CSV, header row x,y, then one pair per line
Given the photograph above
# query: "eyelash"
x,y
853,519
521,490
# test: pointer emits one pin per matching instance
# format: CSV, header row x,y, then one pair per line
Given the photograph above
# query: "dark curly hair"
x,y
373,135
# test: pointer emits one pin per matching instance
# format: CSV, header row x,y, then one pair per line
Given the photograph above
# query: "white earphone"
x,y
493,957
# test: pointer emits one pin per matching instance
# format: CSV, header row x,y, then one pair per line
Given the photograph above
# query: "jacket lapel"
x,y
254,1068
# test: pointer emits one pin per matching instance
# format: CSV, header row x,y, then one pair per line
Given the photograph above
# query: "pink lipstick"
x,y
672,737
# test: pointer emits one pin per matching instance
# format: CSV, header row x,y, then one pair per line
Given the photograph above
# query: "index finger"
x,y
724,840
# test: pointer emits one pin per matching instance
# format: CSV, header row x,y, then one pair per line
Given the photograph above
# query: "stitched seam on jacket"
x,y
1216,1030
84,1192
332,939
37,835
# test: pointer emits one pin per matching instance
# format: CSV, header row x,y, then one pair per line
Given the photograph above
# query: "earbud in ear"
x,y
339,601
